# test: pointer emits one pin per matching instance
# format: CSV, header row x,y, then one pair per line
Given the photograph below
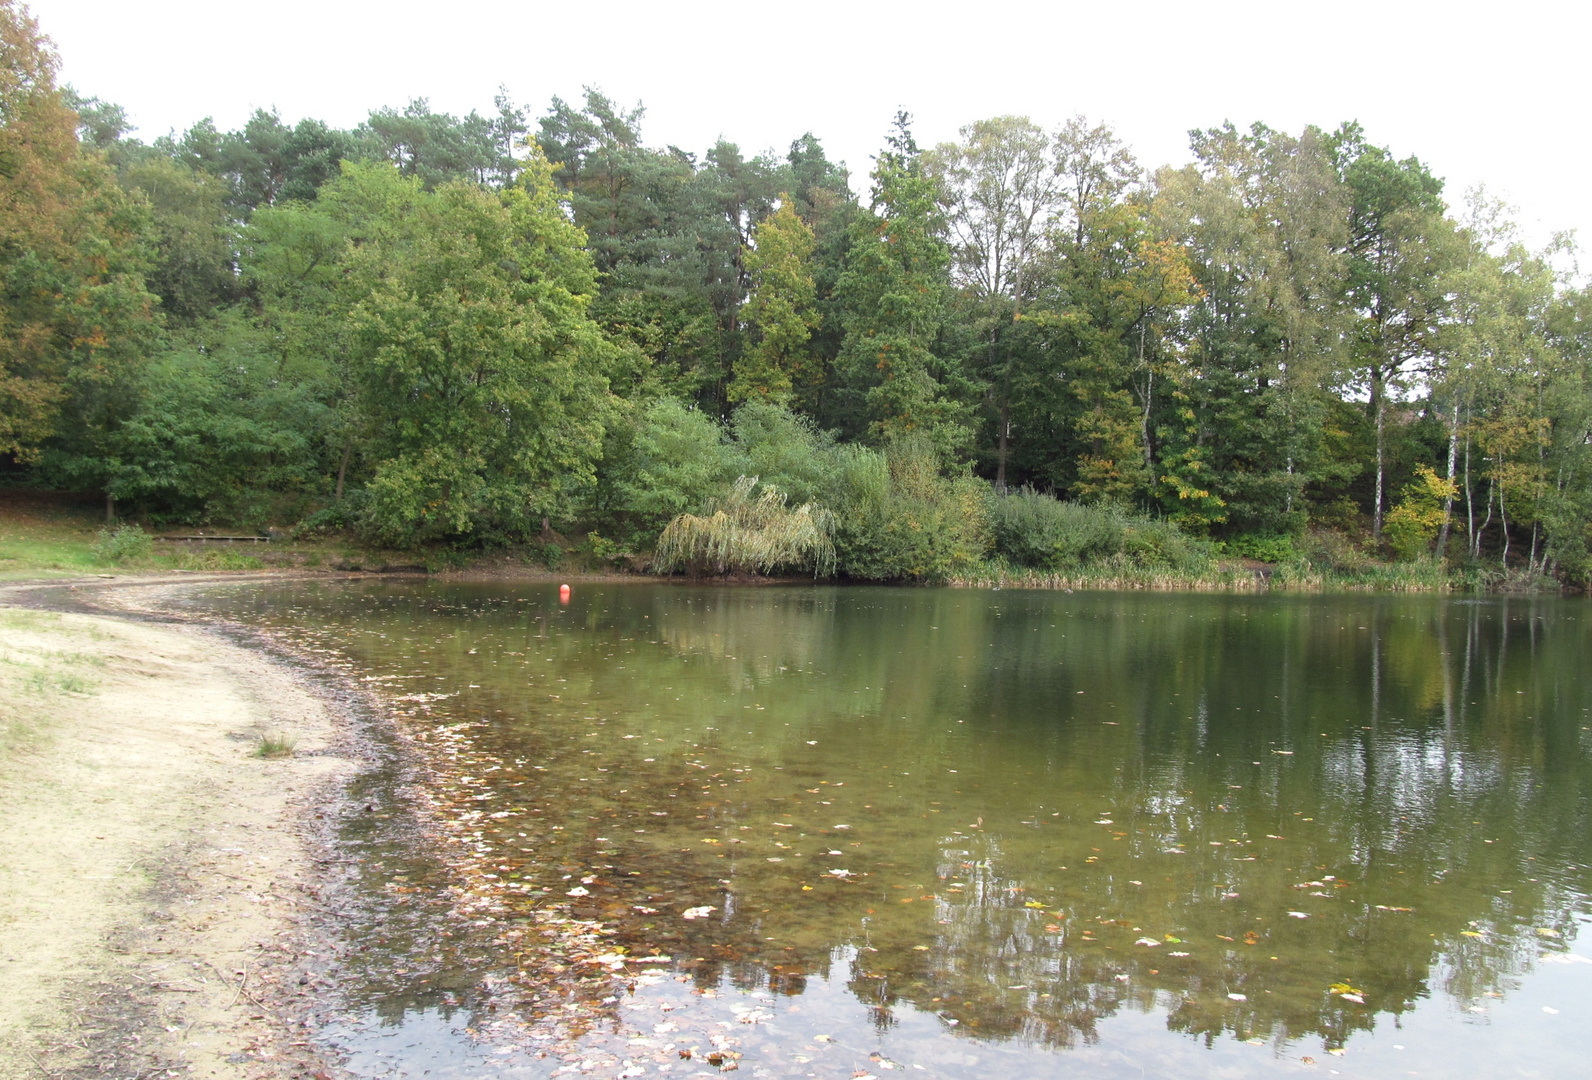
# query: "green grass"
x,y
34,676
44,537
274,744
1114,572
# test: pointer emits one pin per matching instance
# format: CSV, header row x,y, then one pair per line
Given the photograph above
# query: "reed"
x,y
748,532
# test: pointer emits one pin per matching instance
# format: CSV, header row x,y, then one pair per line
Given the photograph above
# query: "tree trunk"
x,y
1453,461
1376,513
110,509
1470,501
1486,521
1503,527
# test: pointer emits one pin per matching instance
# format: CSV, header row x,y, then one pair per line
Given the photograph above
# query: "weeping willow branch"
x,y
746,533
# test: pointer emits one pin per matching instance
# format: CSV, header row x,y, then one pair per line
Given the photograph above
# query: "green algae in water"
x,y
975,830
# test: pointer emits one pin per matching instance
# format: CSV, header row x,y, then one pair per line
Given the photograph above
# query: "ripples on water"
x,y
965,833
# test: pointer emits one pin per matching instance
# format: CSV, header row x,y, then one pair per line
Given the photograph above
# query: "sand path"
x,y
157,878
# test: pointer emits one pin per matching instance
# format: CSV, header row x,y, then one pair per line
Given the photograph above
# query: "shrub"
x,y
749,533
901,519
667,461
1262,547
124,543
1411,525
1032,529
1038,530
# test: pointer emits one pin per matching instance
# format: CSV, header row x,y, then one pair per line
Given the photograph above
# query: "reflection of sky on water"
x,y
1034,788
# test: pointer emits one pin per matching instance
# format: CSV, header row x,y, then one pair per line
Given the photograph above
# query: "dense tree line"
x,y
493,328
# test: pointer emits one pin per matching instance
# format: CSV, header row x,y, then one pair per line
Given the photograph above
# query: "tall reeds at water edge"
x,y
749,533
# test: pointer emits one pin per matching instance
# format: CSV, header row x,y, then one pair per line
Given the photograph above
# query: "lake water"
x,y
821,832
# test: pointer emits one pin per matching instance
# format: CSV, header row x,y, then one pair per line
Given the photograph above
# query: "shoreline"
x,y
161,888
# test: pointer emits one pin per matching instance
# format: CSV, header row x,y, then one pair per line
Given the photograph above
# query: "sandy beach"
x,y
158,897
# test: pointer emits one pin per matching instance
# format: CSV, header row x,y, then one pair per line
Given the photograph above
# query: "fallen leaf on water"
x,y
697,912
578,890
1237,997
1298,915
1026,903
1550,1010
1471,933
1150,941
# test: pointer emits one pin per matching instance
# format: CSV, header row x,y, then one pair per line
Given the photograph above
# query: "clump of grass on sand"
x,y
274,744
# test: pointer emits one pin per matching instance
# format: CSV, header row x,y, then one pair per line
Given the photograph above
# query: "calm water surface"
x,y
956,833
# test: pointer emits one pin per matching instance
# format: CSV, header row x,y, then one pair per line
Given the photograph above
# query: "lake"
x,y
830,832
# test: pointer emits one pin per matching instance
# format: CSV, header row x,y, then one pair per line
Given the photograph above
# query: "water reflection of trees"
x,y
1427,755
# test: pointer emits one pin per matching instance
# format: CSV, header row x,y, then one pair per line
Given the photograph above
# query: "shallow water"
x,y
964,833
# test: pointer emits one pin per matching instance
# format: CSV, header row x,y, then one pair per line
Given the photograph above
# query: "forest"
x,y
1021,353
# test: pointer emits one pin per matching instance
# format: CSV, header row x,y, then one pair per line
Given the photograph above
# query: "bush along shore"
x,y
769,496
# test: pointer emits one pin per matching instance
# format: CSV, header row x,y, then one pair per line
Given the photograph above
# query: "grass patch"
x,y
46,681
274,744
1118,571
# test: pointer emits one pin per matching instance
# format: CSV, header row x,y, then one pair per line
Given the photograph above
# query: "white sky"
x,y
1492,94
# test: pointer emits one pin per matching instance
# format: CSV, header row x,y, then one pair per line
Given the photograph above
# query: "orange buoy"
x,y
563,594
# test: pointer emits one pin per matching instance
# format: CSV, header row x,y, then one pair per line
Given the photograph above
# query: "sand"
x,y
158,891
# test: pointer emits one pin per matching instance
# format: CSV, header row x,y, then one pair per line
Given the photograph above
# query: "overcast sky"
x,y
1493,94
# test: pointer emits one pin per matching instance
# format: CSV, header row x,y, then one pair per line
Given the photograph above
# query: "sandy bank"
x,y
157,880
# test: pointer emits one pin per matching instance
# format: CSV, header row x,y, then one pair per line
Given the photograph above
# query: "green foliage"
x,y
1413,523
1033,529
781,309
900,518
479,379
1262,547
893,293
740,532
666,461
1037,530
125,543
74,303
426,331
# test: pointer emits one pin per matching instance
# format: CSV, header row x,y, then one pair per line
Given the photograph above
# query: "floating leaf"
x,y
697,912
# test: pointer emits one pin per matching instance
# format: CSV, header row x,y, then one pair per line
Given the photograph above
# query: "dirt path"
x,y
157,878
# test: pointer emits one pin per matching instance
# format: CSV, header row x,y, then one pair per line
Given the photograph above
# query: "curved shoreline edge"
x,y
163,891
